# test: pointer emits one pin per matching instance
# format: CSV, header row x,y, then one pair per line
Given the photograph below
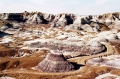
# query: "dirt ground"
x,y
22,64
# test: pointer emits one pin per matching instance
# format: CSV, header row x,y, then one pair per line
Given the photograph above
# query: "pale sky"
x,y
80,7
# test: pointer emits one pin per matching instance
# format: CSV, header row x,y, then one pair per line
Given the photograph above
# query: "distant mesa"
x,y
13,16
55,62
88,23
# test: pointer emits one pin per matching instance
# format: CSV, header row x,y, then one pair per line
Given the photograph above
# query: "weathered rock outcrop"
x,y
36,19
49,17
61,20
98,23
95,47
13,16
55,62
4,26
88,23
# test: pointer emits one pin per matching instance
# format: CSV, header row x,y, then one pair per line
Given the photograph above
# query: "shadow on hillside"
x,y
2,34
77,66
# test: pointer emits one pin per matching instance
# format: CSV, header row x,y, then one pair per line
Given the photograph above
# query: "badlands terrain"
x,y
36,45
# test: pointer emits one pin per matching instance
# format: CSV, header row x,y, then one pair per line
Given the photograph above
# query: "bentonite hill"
x,y
36,45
